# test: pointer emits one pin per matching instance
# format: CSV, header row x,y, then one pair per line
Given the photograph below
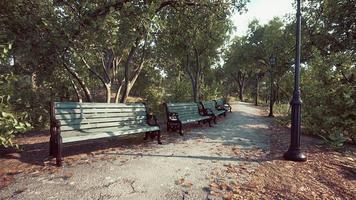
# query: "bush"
x,y
329,101
10,123
9,126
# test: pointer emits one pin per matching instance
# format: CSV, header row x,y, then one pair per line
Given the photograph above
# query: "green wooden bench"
x,y
179,114
73,122
211,108
221,104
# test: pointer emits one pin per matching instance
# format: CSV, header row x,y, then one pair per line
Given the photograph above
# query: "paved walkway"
x,y
181,168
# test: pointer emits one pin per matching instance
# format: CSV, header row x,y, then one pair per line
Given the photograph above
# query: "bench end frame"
x,y
55,141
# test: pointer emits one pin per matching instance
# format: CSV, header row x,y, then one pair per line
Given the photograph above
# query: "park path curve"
x,y
181,168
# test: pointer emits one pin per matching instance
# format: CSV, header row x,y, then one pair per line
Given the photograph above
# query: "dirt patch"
x,y
328,173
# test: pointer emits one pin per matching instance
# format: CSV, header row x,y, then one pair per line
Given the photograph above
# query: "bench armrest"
x,y
173,116
227,104
152,120
55,123
55,127
221,107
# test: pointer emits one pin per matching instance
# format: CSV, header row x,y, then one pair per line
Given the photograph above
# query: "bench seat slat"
x,y
74,136
101,125
219,112
189,120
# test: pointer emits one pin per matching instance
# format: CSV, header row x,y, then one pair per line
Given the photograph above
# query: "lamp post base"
x,y
295,155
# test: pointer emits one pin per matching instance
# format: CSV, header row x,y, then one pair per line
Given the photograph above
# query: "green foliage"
x,y
331,110
9,126
9,123
282,109
179,91
334,140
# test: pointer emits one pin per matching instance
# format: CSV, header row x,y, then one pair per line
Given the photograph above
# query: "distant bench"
x,y
210,107
221,104
179,114
72,122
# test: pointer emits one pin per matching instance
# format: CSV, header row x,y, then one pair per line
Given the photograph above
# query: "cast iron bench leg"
x,y
168,129
52,146
146,136
180,129
159,137
59,150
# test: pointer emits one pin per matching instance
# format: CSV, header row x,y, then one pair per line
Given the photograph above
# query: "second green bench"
x,y
221,104
179,114
211,108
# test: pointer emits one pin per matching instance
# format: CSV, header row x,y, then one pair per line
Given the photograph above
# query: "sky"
x,y
263,10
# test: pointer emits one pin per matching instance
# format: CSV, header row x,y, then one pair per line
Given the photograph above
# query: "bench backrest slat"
x,y
209,104
91,116
63,105
184,110
220,102
97,115
109,131
97,110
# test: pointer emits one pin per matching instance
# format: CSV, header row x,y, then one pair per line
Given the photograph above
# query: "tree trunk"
x,y
130,81
108,92
276,93
106,82
257,89
241,82
125,92
118,92
241,92
197,77
194,90
240,79
77,92
33,81
271,98
81,83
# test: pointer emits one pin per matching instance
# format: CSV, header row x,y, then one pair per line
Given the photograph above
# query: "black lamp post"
x,y
294,152
272,62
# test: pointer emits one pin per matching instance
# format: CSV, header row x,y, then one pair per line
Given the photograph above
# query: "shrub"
x,y
10,123
9,126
